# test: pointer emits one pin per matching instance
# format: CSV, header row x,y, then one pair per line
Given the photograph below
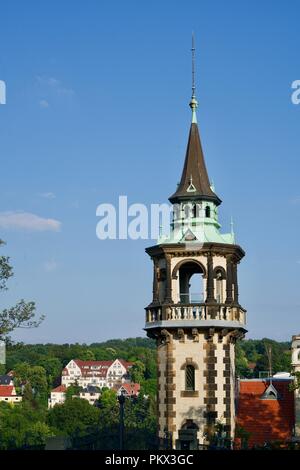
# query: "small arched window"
x,y
194,211
219,286
207,211
190,378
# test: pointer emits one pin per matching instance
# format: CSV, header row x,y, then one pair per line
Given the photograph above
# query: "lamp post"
x,y
121,400
168,440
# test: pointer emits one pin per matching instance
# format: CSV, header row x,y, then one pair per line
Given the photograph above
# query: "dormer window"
x,y
270,393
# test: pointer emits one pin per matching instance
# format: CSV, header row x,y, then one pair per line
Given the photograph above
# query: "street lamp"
x,y
121,400
167,439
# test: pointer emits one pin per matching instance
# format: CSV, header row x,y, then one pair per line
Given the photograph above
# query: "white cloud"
x,y
56,85
52,81
27,221
48,195
50,265
44,104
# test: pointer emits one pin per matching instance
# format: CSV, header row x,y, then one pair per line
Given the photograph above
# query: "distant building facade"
x,y
8,394
6,380
57,396
96,373
296,353
90,393
296,368
129,390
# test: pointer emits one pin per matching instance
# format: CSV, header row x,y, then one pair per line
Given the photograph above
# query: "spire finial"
x,y
193,102
193,66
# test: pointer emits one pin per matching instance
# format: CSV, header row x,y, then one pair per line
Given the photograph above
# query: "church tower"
x,y
195,315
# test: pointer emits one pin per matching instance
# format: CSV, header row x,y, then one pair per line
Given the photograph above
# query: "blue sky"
x,y
97,107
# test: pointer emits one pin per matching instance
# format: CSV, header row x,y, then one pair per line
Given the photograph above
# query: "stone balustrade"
x,y
197,312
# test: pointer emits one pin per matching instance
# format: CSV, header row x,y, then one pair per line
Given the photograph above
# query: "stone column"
x,y
210,280
229,298
168,296
155,282
235,283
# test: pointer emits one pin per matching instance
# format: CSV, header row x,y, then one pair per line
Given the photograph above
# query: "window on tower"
x,y
220,276
190,378
219,287
207,211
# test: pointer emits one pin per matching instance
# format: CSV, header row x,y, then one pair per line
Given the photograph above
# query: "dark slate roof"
x,y
5,379
91,389
195,173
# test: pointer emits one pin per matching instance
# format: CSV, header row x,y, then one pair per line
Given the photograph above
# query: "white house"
x,y
90,393
58,396
129,390
96,373
8,394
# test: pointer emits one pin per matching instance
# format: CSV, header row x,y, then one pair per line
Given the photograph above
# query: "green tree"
x,y
74,417
53,368
73,391
108,398
27,393
149,387
23,314
137,372
35,376
21,426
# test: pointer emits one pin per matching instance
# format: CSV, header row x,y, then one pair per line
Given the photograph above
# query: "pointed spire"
x,y
194,183
193,102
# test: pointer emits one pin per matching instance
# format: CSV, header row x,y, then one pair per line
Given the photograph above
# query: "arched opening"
x,y
190,424
187,436
207,211
219,287
191,283
190,378
220,276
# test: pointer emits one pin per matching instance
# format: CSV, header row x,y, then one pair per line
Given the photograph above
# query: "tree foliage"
x,y
23,314
22,426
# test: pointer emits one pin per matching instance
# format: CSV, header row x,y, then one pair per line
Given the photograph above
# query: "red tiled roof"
x,y
7,391
126,363
266,419
131,388
97,368
59,389
81,363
